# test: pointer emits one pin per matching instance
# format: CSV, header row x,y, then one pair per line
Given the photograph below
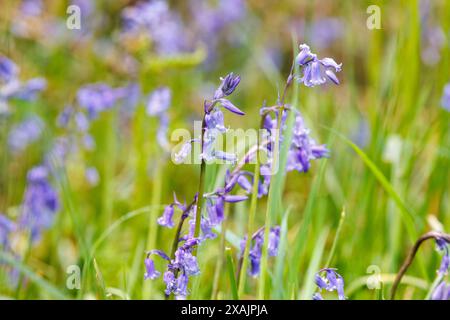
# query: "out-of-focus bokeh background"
x,y
112,177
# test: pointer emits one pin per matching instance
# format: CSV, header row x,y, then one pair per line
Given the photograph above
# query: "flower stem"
x,y
270,199
409,259
201,188
251,218
220,260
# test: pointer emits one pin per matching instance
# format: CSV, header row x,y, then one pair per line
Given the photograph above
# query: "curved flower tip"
x,y
228,85
231,107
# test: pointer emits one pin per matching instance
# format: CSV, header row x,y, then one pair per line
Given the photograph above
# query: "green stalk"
x,y
268,219
230,267
433,286
219,263
336,238
152,223
201,191
251,218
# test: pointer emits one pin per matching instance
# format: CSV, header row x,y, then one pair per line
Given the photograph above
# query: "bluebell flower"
x,y
166,220
213,119
157,105
227,87
328,279
95,98
161,25
92,176
8,69
443,246
64,117
211,22
317,296
82,122
442,292
325,32
151,272
316,71
25,133
179,269
40,203
302,151
257,243
433,37
31,7
11,87
171,283
184,151
30,89
159,101
445,101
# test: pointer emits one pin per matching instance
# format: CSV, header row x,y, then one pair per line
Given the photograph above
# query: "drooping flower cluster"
x,y
255,252
182,266
11,87
315,71
445,101
214,123
328,279
157,105
96,98
40,203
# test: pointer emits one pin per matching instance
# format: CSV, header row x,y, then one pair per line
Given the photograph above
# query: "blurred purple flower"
x,y
64,117
8,69
6,227
30,89
95,98
31,7
157,105
162,25
40,203
445,101
25,133
432,35
442,292
92,176
325,32
159,101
